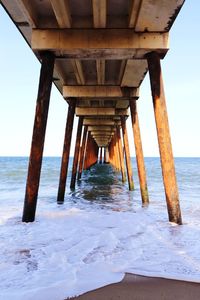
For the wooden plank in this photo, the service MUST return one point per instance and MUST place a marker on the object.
(88, 43)
(99, 13)
(97, 92)
(28, 9)
(134, 12)
(162, 15)
(100, 65)
(78, 70)
(134, 72)
(63, 17)
(99, 20)
(164, 139)
(62, 13)
(40, 122)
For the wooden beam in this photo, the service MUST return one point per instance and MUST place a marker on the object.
(106, 43)
(139, 153)
(99, 19)
(66, 152)
(29, 12)
(100, 65)
(62, 14)
(63, 17)
(134, 12)
(121, 155)
(101, 132)
(100, 122)
(164, 139)
(98, 92)
(127, 154)
(101, 128)
(99, 13)
(84, 139)
(40, 122)
(98, 111)
(78, 70)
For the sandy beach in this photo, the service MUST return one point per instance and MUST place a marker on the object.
(134, 287)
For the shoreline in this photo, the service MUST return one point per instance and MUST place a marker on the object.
(136, 287)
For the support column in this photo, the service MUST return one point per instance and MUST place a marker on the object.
(66, 151)
(39, 130)
(83, 146)
(164, 140)
(127, 154)
(76, 152)
(139, 152)
(104, 156)
(121, 156)
(100, 158)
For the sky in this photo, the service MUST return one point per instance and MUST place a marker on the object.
(19, 75)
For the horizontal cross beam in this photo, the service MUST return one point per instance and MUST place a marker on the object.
(96, 111)
(101, 128)
(100, 122)
(96, 91)
(99, 43)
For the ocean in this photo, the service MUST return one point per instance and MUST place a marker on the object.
(99, 233)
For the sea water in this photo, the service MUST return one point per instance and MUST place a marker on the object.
(99, 233)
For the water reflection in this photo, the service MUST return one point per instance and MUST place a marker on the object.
(102, 186)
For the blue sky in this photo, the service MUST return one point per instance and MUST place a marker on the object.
(19, 81)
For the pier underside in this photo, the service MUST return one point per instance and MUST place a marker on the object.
(97, 53)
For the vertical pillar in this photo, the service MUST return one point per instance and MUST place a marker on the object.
(66, 151)
(76, 152)
(104, 155)
(164, 140)
(127, 154)
(100, 158)
(83, 146)
(117, 162)
(39, 130)
(139, 152)
(121, 156)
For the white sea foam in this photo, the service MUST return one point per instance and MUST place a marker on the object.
(84, 244)
(66, 253)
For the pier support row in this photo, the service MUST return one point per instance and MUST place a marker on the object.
(164, 139)
(39, 129)
(91, 155)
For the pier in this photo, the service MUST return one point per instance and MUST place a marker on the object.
(97, 53)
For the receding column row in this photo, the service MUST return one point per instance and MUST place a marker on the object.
(89, 149)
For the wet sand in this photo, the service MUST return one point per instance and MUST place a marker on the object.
(134, 287)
